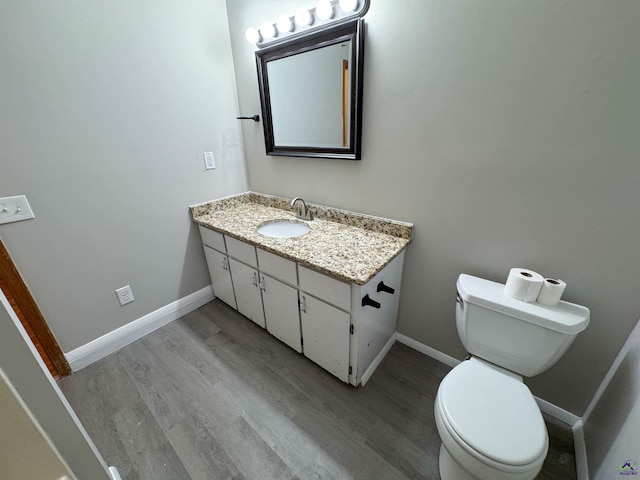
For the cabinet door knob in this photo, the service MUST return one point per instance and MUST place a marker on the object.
(367, 301)
(224, 264)
(303, 304)
(385, 288)
(262, 285)
(254, 281)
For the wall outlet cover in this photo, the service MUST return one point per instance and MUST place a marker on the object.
(125, 295)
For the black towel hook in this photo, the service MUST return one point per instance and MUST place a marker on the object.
(255, 118)
(368, 301)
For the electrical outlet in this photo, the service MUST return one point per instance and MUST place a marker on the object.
(125, 295)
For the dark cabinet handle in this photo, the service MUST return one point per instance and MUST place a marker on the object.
(366, 301)
(384, 288)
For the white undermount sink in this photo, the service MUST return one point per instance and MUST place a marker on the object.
(284, 228)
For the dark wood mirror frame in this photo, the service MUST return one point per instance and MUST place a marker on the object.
(353, 31)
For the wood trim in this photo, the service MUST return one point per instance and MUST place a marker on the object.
(30, 316)
(346, 97)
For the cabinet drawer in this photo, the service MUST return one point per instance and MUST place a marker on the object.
(241, 251)
(212, 239)
(277, 266)
(327, 288)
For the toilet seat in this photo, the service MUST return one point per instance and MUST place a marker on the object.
(492, 416)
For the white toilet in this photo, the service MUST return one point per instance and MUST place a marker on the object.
(489, 423)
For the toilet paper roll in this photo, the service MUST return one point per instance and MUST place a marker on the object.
(551, 292)
(523, 284)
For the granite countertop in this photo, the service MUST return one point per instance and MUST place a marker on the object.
(350, 246)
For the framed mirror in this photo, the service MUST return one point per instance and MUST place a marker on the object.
(311, 93)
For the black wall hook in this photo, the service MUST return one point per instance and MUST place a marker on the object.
(255, 118)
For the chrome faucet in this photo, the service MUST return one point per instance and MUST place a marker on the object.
(302, 211)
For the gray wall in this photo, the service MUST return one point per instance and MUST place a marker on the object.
(611, 421)
(105, 110)
(507, 132)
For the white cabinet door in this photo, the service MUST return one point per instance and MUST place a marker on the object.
(220, 276)
(246, 286)
(281, 311)
(325, 330)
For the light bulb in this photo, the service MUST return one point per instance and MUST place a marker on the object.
(284, 24)
(303, 17)
(252, 35)
(348, 5)
(324, 9)
(268, 30)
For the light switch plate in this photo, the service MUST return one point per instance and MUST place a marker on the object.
(209, 162)
(15, 209)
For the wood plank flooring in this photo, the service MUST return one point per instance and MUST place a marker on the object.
(213, 396)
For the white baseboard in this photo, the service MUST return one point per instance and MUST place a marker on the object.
(546, 407)
(557, 412)
(113, 341)
(428, 351)
(378, 360)
(115, 474)
(580, 448)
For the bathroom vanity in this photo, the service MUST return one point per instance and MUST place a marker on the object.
(331, 294)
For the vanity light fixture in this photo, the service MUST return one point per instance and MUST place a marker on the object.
(303, 17)
(348, 5)
(268, 30)
(325, 14)
(324, 9)
(284, 24)
(252, 35)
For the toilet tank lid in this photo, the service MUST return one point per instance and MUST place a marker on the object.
(565, 317)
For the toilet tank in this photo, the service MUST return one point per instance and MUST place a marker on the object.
(525, 338)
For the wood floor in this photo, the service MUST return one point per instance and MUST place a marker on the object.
(213, 396)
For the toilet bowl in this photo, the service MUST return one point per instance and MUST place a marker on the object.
(489, 424)
(488, 420)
